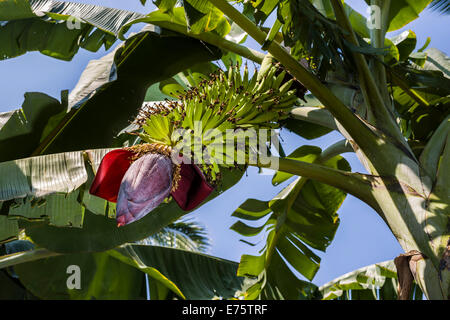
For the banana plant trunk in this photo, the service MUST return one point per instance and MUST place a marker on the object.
(417, 219)
(414, 204)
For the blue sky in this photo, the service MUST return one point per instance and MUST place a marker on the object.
(362, 237)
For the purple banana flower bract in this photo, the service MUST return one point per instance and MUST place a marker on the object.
(144, 186)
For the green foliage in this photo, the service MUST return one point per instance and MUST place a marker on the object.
(9, 228)
(102, 281)
(421, 118)
(310, 35)
(21, 130)
(259, 11)
(64, 28)
(203, 16)
(441, 5)
(119, 274)
(405, 43)
(375, 282)
(209, 277)
(305, 129)
(102, 277)
(164, 5)
(402, 12)
(304, 153)
(300, 217)
(12, 289)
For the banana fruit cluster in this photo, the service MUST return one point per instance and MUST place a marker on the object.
(225, 101)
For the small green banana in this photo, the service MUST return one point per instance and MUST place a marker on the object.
(268, 116)
(286, 86)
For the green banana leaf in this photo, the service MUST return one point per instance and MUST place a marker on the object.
(101, 277)
(304, 153)
(208, 277)
(119, 274)
(58, 28)
(357, 20)
(302, 216)
(402, 12)
(305, 129)
(441, 5)
(438, 61)
(9, 229)
(164, 5)
(259, 11)
(421, 118)
(406, 43)
(44, 175)
(203, 16)
(108, 19)
(12, 289)
(400, 50)
(21, 130)
(200, 16)
(374, 282)
(311, 35)
(184, 235)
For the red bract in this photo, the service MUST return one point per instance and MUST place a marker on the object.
(192, 188)
(145, 185)
(109, 175)
(141, 186)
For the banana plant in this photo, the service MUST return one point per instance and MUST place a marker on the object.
(324, 68)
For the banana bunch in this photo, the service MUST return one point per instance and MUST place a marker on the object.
(225, 101)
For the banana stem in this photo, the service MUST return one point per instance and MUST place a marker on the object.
(378, 35)
(208, 37)
(356, 184)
